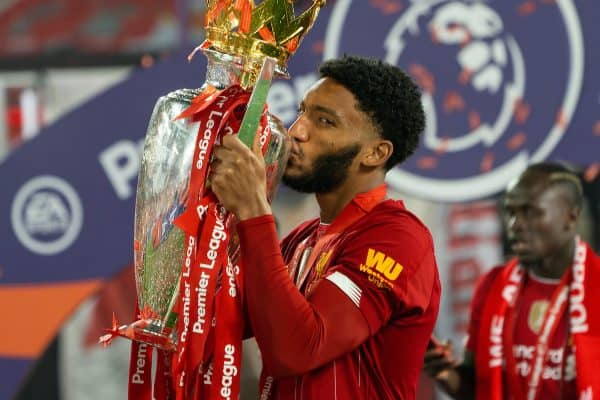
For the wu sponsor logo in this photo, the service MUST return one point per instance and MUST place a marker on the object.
(46, 215)
(381, 269)
(384, 264)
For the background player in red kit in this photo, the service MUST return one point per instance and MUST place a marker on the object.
(344, 309)
(539, 305)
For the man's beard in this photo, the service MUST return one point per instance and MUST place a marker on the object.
(328, 172)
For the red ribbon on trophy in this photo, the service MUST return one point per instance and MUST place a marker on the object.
(188, 282)
(206, 361)
(205, 309)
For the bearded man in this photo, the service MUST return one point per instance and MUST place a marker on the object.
(344, 307)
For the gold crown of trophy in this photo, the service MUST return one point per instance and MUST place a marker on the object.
(246, 45)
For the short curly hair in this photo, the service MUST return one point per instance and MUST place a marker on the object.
(387, 95)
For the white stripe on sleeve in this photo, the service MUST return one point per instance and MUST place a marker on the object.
(347, 286)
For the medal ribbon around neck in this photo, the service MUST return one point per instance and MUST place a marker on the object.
(505, 316)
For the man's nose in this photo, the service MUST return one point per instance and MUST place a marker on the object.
(515, 222)
(299, 129)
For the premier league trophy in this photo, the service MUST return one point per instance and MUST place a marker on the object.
(186, 257)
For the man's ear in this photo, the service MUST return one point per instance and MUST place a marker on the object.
(378, 152)
(574, 213)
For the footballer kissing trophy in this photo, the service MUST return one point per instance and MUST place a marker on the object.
(188, 279)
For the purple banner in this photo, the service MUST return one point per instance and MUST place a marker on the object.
(505, 83)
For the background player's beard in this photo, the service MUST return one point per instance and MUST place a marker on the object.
(328, 172)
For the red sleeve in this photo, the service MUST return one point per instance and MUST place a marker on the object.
(477, 304)
(295, 335)
(290, 237)
(384, 269)
(388, 269)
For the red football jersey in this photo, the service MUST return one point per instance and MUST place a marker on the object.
(558, 375)
(382, 266)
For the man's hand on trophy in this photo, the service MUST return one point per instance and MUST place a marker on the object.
(238, 179)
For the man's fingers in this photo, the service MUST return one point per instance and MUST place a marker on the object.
(219, 153)
(438, 364)
(233, 142)
(434, 353)
(224, 157)
(435, 367)
(237, 147)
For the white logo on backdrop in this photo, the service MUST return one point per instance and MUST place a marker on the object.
(491, 53)
(47, 215)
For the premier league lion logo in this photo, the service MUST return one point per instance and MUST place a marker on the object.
(500, 81)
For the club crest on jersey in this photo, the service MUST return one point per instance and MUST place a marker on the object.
(322, 263)
(496, 97)
(537, 311)
(381, 269)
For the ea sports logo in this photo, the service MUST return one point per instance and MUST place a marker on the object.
(497, 93)
(46, 215)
